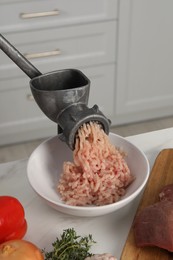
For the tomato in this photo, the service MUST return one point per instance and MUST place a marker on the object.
(13, 224)
(20, 250)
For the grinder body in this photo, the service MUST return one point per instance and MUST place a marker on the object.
(63, 97)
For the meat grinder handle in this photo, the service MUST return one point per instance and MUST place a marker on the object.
(24, 64)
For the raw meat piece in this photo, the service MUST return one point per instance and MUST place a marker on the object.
(154, 224)
(166, 193)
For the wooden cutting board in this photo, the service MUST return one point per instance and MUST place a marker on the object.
(161, 175)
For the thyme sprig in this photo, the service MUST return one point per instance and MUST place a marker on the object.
(70, 246)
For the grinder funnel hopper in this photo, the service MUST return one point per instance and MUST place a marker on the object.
(55, 91)
(62, 95)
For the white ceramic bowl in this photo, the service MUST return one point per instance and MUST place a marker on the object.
(45, 165)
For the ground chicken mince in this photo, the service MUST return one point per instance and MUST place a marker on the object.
(99, 174)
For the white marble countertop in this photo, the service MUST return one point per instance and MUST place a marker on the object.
(45, 223)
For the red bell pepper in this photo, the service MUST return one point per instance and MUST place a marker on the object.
(13, 224)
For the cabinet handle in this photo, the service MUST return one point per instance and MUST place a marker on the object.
(42, 54)
(29, 97)
(39, 14)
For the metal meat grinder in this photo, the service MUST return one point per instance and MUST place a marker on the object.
(62, 95)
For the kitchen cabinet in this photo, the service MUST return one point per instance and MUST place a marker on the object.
(123, 46)
(144, 87)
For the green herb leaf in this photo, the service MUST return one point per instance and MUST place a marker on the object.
(70, 247)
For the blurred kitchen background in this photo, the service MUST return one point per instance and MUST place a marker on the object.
(125, 47)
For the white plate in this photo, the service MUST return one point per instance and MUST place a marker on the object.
(45, 166)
